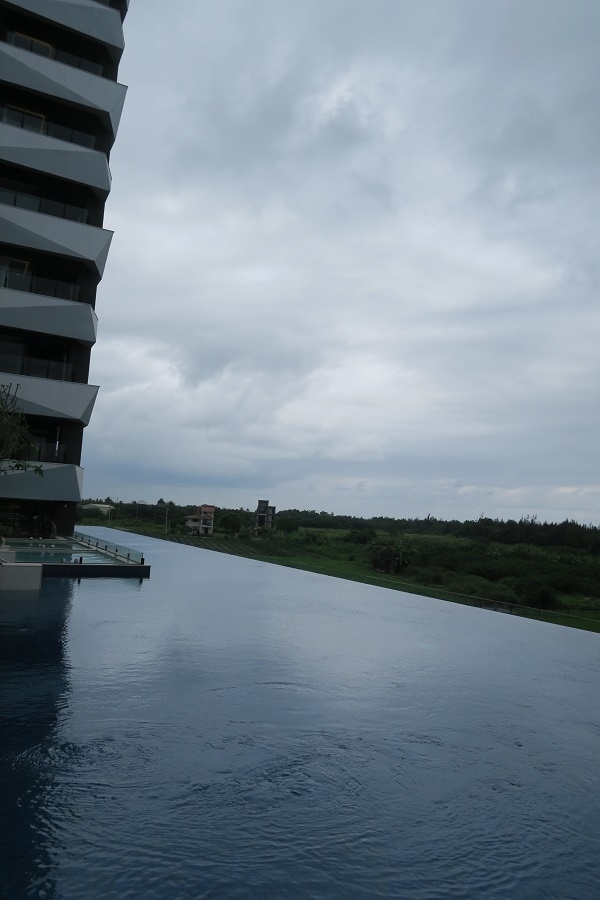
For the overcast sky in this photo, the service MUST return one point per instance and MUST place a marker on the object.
(355, 264)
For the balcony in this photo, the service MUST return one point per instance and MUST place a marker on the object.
(58, 159)
(37, 284)
(30, 121)
(41, 48)
(65, 400)
(84, 19)
(36, 367)
(40, 237)
(28, 200)
(61, 482)
(98, 100)
(49, 452)
(48, 315)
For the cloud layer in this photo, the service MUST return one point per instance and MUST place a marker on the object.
(355, 259)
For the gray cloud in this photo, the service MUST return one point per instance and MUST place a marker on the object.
(355, 261)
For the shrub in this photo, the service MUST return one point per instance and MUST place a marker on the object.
(432, 575)
(532, 592)
(388, 555)
(362, 536)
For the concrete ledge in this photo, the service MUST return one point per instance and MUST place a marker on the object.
(92, 570)
(20, 576)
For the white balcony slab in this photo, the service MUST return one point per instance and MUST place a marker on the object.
(41, 153)
(48, 315)
(61, 82)
(84, 17)
(60, 482)
(49, 234)
(54, 399)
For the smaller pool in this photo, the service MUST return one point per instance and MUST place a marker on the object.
(65, 555)
(80, 556)
(60, 551)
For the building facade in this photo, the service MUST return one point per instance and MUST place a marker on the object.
(264, 516)
(60, 105)
(203, 521)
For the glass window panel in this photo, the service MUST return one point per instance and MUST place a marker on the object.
(27, 201)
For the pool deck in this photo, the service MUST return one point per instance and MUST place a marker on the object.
(95, 570)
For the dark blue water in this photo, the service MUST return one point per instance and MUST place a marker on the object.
(234, 729)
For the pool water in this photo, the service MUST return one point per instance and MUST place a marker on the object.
(67, 551)
(64, 555)
(234, 729)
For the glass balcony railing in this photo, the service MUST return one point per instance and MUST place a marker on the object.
(26, 200)
(49, 452)
(41, 48)
(37, 284)
(36, 367)
(29, 121)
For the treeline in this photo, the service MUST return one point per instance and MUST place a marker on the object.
(163, 512)
(527, 530)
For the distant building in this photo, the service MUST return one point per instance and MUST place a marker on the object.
(265, 515)
(203, 521)
(104, 508)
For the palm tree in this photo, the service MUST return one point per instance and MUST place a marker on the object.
(389, 555)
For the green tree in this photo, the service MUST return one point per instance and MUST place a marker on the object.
(389, 555)
(362, 535)
(16, 444)
(230, 523)
(287, 524)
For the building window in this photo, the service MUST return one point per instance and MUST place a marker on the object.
(24, 198)
(23, 118)
(14, 273)
(41, 48)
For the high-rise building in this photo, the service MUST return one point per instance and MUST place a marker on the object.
(60, 105)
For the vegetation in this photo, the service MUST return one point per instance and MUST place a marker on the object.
(552, 571)
(387, 554)
(231, 523)
(16, 445)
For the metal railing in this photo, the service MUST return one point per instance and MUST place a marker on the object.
(48, 51)
(121, 553)
(30, 121)
(36, 367)
(49, 452)
(38, 284)
(33, 202)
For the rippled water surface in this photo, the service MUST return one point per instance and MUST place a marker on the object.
(235, 729)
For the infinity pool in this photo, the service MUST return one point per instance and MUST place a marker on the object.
(233, 729)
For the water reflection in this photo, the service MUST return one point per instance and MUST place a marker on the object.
(34, 688)
(235, 729)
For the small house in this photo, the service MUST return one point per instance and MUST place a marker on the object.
(203, 521)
